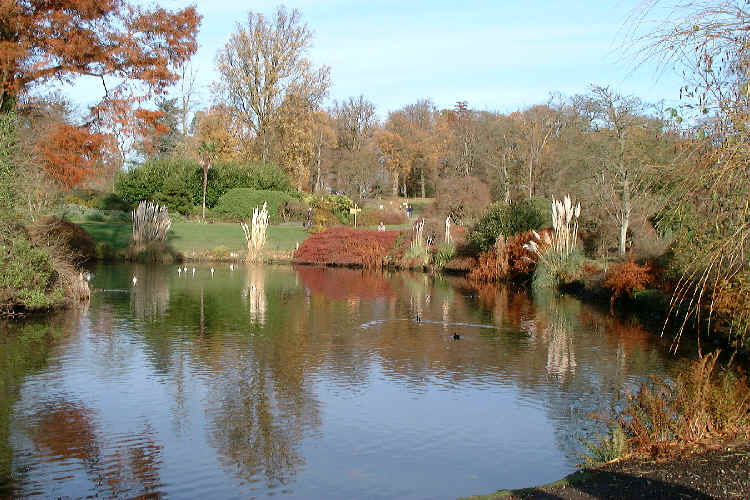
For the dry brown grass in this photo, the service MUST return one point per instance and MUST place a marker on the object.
(704, 403)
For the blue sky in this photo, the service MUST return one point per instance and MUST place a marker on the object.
(498, 55)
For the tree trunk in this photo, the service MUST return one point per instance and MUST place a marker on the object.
(421, 182)
(506, 178)
(626, 206)
(205, 183)
(395, 183)
(466, 158)
(317, 187)
(531, 177)
(625, 216)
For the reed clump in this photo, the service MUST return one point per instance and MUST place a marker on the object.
(256, 233)
(418, 254)
(151, 224)
(558, 259)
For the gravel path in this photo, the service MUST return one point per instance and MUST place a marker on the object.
(712, 472)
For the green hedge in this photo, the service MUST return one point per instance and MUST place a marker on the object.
(238, 203)
(178, 182)
(508, 219)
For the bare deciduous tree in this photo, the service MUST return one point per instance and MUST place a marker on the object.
(537, 126)
(355, 121)
(620, 172)
(264, 61)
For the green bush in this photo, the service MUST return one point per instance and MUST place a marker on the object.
(29, 278)
(175, 194)
(145, 181)
(508, 219)
(238, 203)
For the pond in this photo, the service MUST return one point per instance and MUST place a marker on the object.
(307, 383)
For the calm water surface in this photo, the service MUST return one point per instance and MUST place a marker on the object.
(306, 383)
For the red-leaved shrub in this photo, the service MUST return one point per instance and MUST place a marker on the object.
(347, 247)
(626, 278)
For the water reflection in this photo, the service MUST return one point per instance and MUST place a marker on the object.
(262, 380)
(65, 433)
(254, 293)
(149, 299)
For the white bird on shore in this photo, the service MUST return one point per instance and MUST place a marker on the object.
(231, 267)
(193, 272)
(135, 280)
(212, 272)
(179, 271)
(184, 268)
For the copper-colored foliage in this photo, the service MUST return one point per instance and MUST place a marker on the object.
(135, 50)
(627, 277)
(347, 247)
(70, 154)
(505, 259)
(44, 40)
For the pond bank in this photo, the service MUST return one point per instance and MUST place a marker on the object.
(718, 471)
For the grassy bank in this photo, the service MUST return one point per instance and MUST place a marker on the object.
(194, 239)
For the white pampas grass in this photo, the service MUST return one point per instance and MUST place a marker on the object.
(255, 233)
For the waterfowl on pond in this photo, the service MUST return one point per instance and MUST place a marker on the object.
(456, 336)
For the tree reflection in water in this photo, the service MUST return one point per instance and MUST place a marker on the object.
(149, 299)
(243, 365)
(120, 465)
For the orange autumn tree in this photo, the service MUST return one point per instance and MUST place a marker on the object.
(135, 52)
(71, 154)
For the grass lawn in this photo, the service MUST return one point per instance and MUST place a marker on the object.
(190, 236)
(116, 235)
